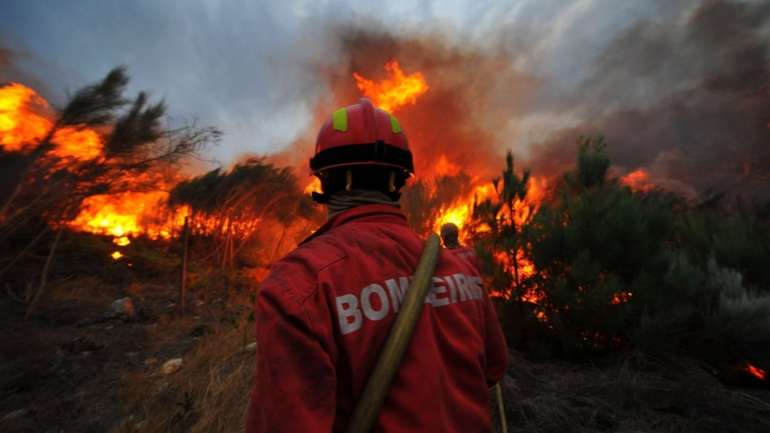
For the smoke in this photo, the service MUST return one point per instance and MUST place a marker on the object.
(679, 88)
(682, 90)
(687, 99)
(471, 90)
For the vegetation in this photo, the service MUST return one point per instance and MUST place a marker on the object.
(74, 159)
(618, 269)
(228, 207)
(663, 297)
(423, 199)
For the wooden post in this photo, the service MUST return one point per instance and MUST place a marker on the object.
(501, 408)
(44, 276)
(183, 276)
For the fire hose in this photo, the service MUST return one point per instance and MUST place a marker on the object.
(377, 386)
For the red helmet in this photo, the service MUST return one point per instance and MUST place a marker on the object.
(361, 134)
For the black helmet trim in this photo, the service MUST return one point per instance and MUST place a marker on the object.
(378, 152)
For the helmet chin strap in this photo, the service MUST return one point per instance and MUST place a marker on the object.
(348, 180)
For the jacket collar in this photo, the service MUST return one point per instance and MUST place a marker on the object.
(371, 212)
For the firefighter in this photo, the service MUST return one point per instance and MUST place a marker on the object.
(325, 310)
(450, 235)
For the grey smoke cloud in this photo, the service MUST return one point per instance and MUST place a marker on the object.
(687, 98)
(679, 87)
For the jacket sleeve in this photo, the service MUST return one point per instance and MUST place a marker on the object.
(295, 381)
(494, 342)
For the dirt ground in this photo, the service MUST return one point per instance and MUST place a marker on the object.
(72, 368)
(67, 367)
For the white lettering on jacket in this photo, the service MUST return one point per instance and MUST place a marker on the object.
(375, 303)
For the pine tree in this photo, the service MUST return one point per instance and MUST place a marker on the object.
(498, 226)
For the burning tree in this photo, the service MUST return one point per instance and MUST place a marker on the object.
(499, 223)
(618, 268)
(229, 207)
(425, 200)
(99, 144)
(596, 247)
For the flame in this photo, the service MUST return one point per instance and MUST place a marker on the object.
(22, 124)
(395, 91)
(460, 211)
(638, 180)
(129, 214)
(444, 167)
(77, 143)
(621, 298)
(122, 241)
(313, 186)
(116, 255)
(755, 371)
(25, 120)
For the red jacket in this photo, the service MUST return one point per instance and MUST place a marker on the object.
(325, 310)
(468, 254)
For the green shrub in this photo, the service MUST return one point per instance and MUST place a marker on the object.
(624, 269)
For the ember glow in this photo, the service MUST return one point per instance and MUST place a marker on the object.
(394, 92)
(638, 180)
(122, 241)
(755, 371)
(621, 298)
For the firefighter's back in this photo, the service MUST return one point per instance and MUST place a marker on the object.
(350, 283)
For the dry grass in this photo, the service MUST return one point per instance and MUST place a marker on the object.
(637, 395)
(209, 394)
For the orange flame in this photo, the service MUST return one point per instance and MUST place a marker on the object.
(78, 143)
(116, 255)
(755, 371)
(25, 121)
(395, 91)
(638, 180)
(444, 167)
(313, 186)
(22, 124)
(122, 241)
(129, 214)
(460, 213)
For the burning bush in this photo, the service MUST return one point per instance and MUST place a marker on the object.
(63, 168)
(618, 268)
(229, 207)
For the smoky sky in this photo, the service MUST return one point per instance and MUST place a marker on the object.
(677, 87)
(686, 98)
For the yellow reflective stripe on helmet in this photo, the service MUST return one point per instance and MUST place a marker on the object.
(340, 120)
(394, 125)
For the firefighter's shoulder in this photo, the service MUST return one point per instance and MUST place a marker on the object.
(296, 274)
